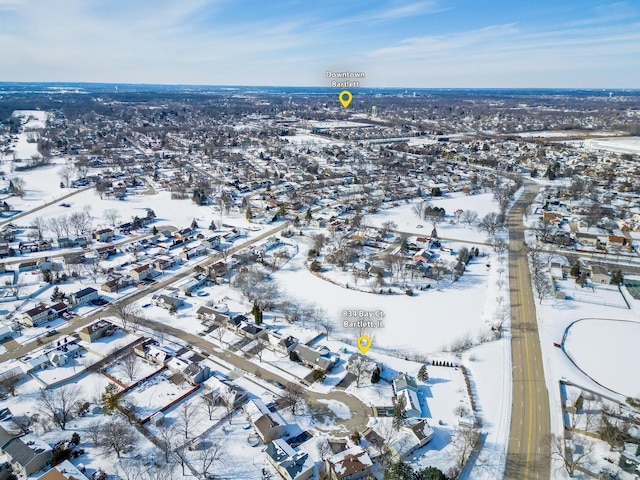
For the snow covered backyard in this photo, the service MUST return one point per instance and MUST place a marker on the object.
(587, 337)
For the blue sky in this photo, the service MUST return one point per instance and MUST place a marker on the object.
(397, 43)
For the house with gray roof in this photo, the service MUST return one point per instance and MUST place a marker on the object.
(28, 454)
(322, 360)
(291, 464)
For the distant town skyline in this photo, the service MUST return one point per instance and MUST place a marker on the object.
(412, 44)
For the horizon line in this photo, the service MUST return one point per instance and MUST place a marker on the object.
(205, 85)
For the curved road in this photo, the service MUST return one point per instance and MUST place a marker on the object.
(528, 454)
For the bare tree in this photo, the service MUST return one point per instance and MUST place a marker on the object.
(40, 225)
(112, 216)
(464, 440)
(66, 174)
(359, 367)
(56, 226)
(207, 404)
(569, 453)
(210, 455)
(131, 470)
(541, 283)
(22, 424)
(490, 223)
(294, 398)
(219, 333)
(18, 186)
(167, 439)
(125, 312)
(327, 325)
(469, 216)
(388, 227)
(9, 381)
(188, 416)
(116, 436)
(160, 472)
(59, 403)
(130, 366)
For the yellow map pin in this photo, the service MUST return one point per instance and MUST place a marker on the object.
(345, 98)
(364, 343)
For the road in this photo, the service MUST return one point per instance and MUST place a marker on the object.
(528, 454)
(360, 412)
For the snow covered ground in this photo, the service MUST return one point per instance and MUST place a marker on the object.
(407, 220)
(586, 337)
(618, 145)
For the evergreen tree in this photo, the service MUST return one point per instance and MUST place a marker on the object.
(375, 375)
(617, 278)
(194, 224)
(422, 374)
(154, 230)
(110, 399)
(399, 412)
(212, 226)
(308, 216)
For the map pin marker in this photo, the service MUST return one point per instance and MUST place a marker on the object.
(345, 98)
(364, 343)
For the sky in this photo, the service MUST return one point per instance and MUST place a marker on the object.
(396, 43)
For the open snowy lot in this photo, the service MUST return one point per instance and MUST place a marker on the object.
(618, 145)
(586, 337)
(407, 220)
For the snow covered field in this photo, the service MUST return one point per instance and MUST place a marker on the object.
(618, 145)
(587, 337)
(407, 220)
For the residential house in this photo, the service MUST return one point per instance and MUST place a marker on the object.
(141, 272)
(185, 234)
(224, 392)
(36, 316)
(28, 266)
(217, 269)
(106, 251)
(97, 330)
(322, 360)
(599, 274)
(412, 436)
(65, 242)
(167, 301)
(193, 252)
(290, 464)
(552, 217)
(28, 454)
(405, 387)
(351, 464)
(194, 372)
(163, 262)
(270, 426)
(116, 284)
(84, 296)
(211, 242)
(152, 351)
(282, 345)
(64, 471)
(252, 331)
(194, 283)
(37, 246)
(104, 235)
(210, 315)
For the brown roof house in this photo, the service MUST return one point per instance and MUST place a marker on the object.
(352, 464)
(97, 330)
